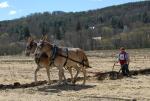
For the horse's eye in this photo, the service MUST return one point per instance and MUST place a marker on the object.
(31, 45)
(28, 47)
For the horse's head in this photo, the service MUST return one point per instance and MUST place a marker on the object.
(43, 46)
(30, 46)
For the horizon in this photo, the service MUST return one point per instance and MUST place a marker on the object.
(14, 9)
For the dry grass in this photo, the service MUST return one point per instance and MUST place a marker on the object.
(20, 69)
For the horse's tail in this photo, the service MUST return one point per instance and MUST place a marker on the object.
(86, 61)
(83, 58)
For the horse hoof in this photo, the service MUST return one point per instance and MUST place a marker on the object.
(74, 81)
(49, 83)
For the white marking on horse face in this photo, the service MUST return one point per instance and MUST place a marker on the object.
(39, 44)
(37, 50)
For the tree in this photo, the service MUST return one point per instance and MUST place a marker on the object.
(145, 17)
(23, 32)
(44, 28)
(78, 26)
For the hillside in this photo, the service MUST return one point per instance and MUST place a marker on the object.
(108, 28)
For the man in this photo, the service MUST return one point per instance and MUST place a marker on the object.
(123, 59)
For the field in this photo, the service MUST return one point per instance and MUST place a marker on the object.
(20, 69)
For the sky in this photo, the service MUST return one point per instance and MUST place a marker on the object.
(12, 9)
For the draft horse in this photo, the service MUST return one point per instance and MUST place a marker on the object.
(64, 57)
(41, 59)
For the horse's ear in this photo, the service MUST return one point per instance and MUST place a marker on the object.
(44, 37)
(29, 39)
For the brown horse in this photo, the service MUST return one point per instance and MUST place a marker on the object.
(65, 57)
(41, 59)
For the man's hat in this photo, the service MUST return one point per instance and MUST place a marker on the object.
(122, 48)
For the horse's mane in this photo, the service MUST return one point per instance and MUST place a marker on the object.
(52, 45)
(48, 43)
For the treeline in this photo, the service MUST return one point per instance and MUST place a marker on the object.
(108, 28)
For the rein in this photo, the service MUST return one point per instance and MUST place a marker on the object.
(75, 61)
(54, 53)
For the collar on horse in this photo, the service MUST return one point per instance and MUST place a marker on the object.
(66, 50)
(54, 54)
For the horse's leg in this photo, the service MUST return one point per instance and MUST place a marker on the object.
(78, 71)
(48, 74)
(84, 74)
(60, 73)
(63, 74)
(70, 71)
(35, 73)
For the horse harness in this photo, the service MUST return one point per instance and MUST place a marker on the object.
(66, 50)
(55, 54)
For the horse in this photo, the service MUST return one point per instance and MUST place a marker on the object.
(41, 59)
(65, 57)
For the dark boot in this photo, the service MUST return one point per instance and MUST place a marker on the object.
(123, 70)
(127, 70)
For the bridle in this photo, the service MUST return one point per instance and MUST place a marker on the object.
(38, 46)
(30, 45)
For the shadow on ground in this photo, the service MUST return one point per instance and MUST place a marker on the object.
(113, 75)
(64, 87)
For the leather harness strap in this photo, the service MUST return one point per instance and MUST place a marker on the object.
(54, 54)
(74, 60)
(66, 57)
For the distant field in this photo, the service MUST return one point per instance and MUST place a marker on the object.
(21, 69)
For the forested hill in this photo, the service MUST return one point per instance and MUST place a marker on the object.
(125, 25)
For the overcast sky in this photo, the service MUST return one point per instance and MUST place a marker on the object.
(11, 9)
